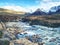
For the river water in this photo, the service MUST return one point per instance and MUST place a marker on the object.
(44, 32)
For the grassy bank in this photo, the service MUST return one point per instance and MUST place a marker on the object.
(45, 20)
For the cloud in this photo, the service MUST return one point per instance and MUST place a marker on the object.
(16, 8)
(47, 0)
(33, 8)
(12, 6)
(48, 5)
(44, 5)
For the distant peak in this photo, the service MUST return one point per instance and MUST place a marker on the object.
(38, 9)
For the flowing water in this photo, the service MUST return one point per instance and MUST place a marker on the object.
(45, 32)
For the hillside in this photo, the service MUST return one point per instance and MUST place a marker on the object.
(10, 15)
(6, 11)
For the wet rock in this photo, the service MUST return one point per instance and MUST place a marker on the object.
(40, 43)
(57, 37)
(46, 38)
(35, 38)
(52, 40)
(24, 41)
(58, 41)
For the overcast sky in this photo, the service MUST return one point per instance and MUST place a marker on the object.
(28, 5)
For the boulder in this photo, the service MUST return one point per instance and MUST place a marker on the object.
(1, 26)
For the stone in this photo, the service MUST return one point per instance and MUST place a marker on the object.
(52, 40)
(23, 41)
(1, 27)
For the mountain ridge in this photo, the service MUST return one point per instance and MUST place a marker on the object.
(53, 10)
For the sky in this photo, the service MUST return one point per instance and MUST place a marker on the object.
(28, 5)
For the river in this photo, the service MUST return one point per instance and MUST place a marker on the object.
(44, 32)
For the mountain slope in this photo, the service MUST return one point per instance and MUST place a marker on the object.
(10, 15)
(38, 12)
(6, 11)
(54, 10)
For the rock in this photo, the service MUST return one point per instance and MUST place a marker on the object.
(46, 38)
(24, 41)
(4, 42)
(40, 43)
(19, 44)
(1, 27)
(58, 41)
(35, 38)
(11, 43)
(53, 40)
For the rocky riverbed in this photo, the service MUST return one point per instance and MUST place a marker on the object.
(35, 33)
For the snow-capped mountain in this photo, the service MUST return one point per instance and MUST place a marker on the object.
(54, 10)
(38, 12)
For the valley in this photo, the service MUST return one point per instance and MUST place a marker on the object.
(22, 28)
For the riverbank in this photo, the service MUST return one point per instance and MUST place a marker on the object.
(44, 20)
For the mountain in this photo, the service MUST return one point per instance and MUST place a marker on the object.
(54, 10)
(38, 12)
(58, 10)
